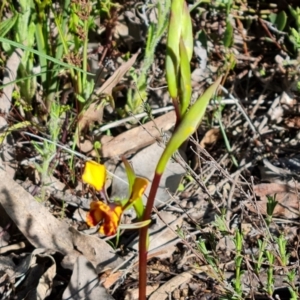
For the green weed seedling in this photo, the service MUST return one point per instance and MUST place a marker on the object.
(291, 277)
(271, 204)
(270, 272)
(209, 258)
(284, 256)
(220, 223)
(262, 244)
(238, 241)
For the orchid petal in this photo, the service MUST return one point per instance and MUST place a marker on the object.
(109, 214)
(139, 186)
(94, 174)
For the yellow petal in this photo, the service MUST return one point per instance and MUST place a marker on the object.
(94, 174)
(139, 186)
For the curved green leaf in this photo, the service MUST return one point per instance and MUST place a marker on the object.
(187, 126)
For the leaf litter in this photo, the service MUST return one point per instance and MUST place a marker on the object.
(44, 250)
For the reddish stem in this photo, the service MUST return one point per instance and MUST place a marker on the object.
(143, 249)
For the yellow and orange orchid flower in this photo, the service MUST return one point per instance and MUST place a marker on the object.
(108, 214)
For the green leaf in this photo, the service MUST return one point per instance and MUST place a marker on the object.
(7, 24)
(187, 32)
(187, 126)
(202, 37)
(172, 53)
(56, 61)
(185, 79)
(228, 35)
(279, 20)
(272, 18)
(136, 225)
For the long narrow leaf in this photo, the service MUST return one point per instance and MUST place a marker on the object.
(187, 31)
(187, 126)
(185, 79)
(56, 61)
(172, 53)
(7, 24)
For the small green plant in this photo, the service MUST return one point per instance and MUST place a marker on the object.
(238, 241)
(262, 244)
(211, 259)
(271, 204)
(291, 277)
(135, 97)
(270, 272)
(284, 256)
(220, 222)
(48, 150)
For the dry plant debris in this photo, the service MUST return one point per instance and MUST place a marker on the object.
(243, 160)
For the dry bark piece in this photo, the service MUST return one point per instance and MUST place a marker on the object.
(265, 189)
(10, 75)
(33, 219)
(138, 137)
(133, 294)
(111, 279)
(144, 164)
(161, 236)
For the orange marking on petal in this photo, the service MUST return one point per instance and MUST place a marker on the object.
(110, 215)
(95, 215)
(94, 174)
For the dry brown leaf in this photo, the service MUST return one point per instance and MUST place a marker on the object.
(139, 137)
(94, 112)
(265, 189)
(115, 78)
(45, 284)
(210, 137)
(111, 279)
